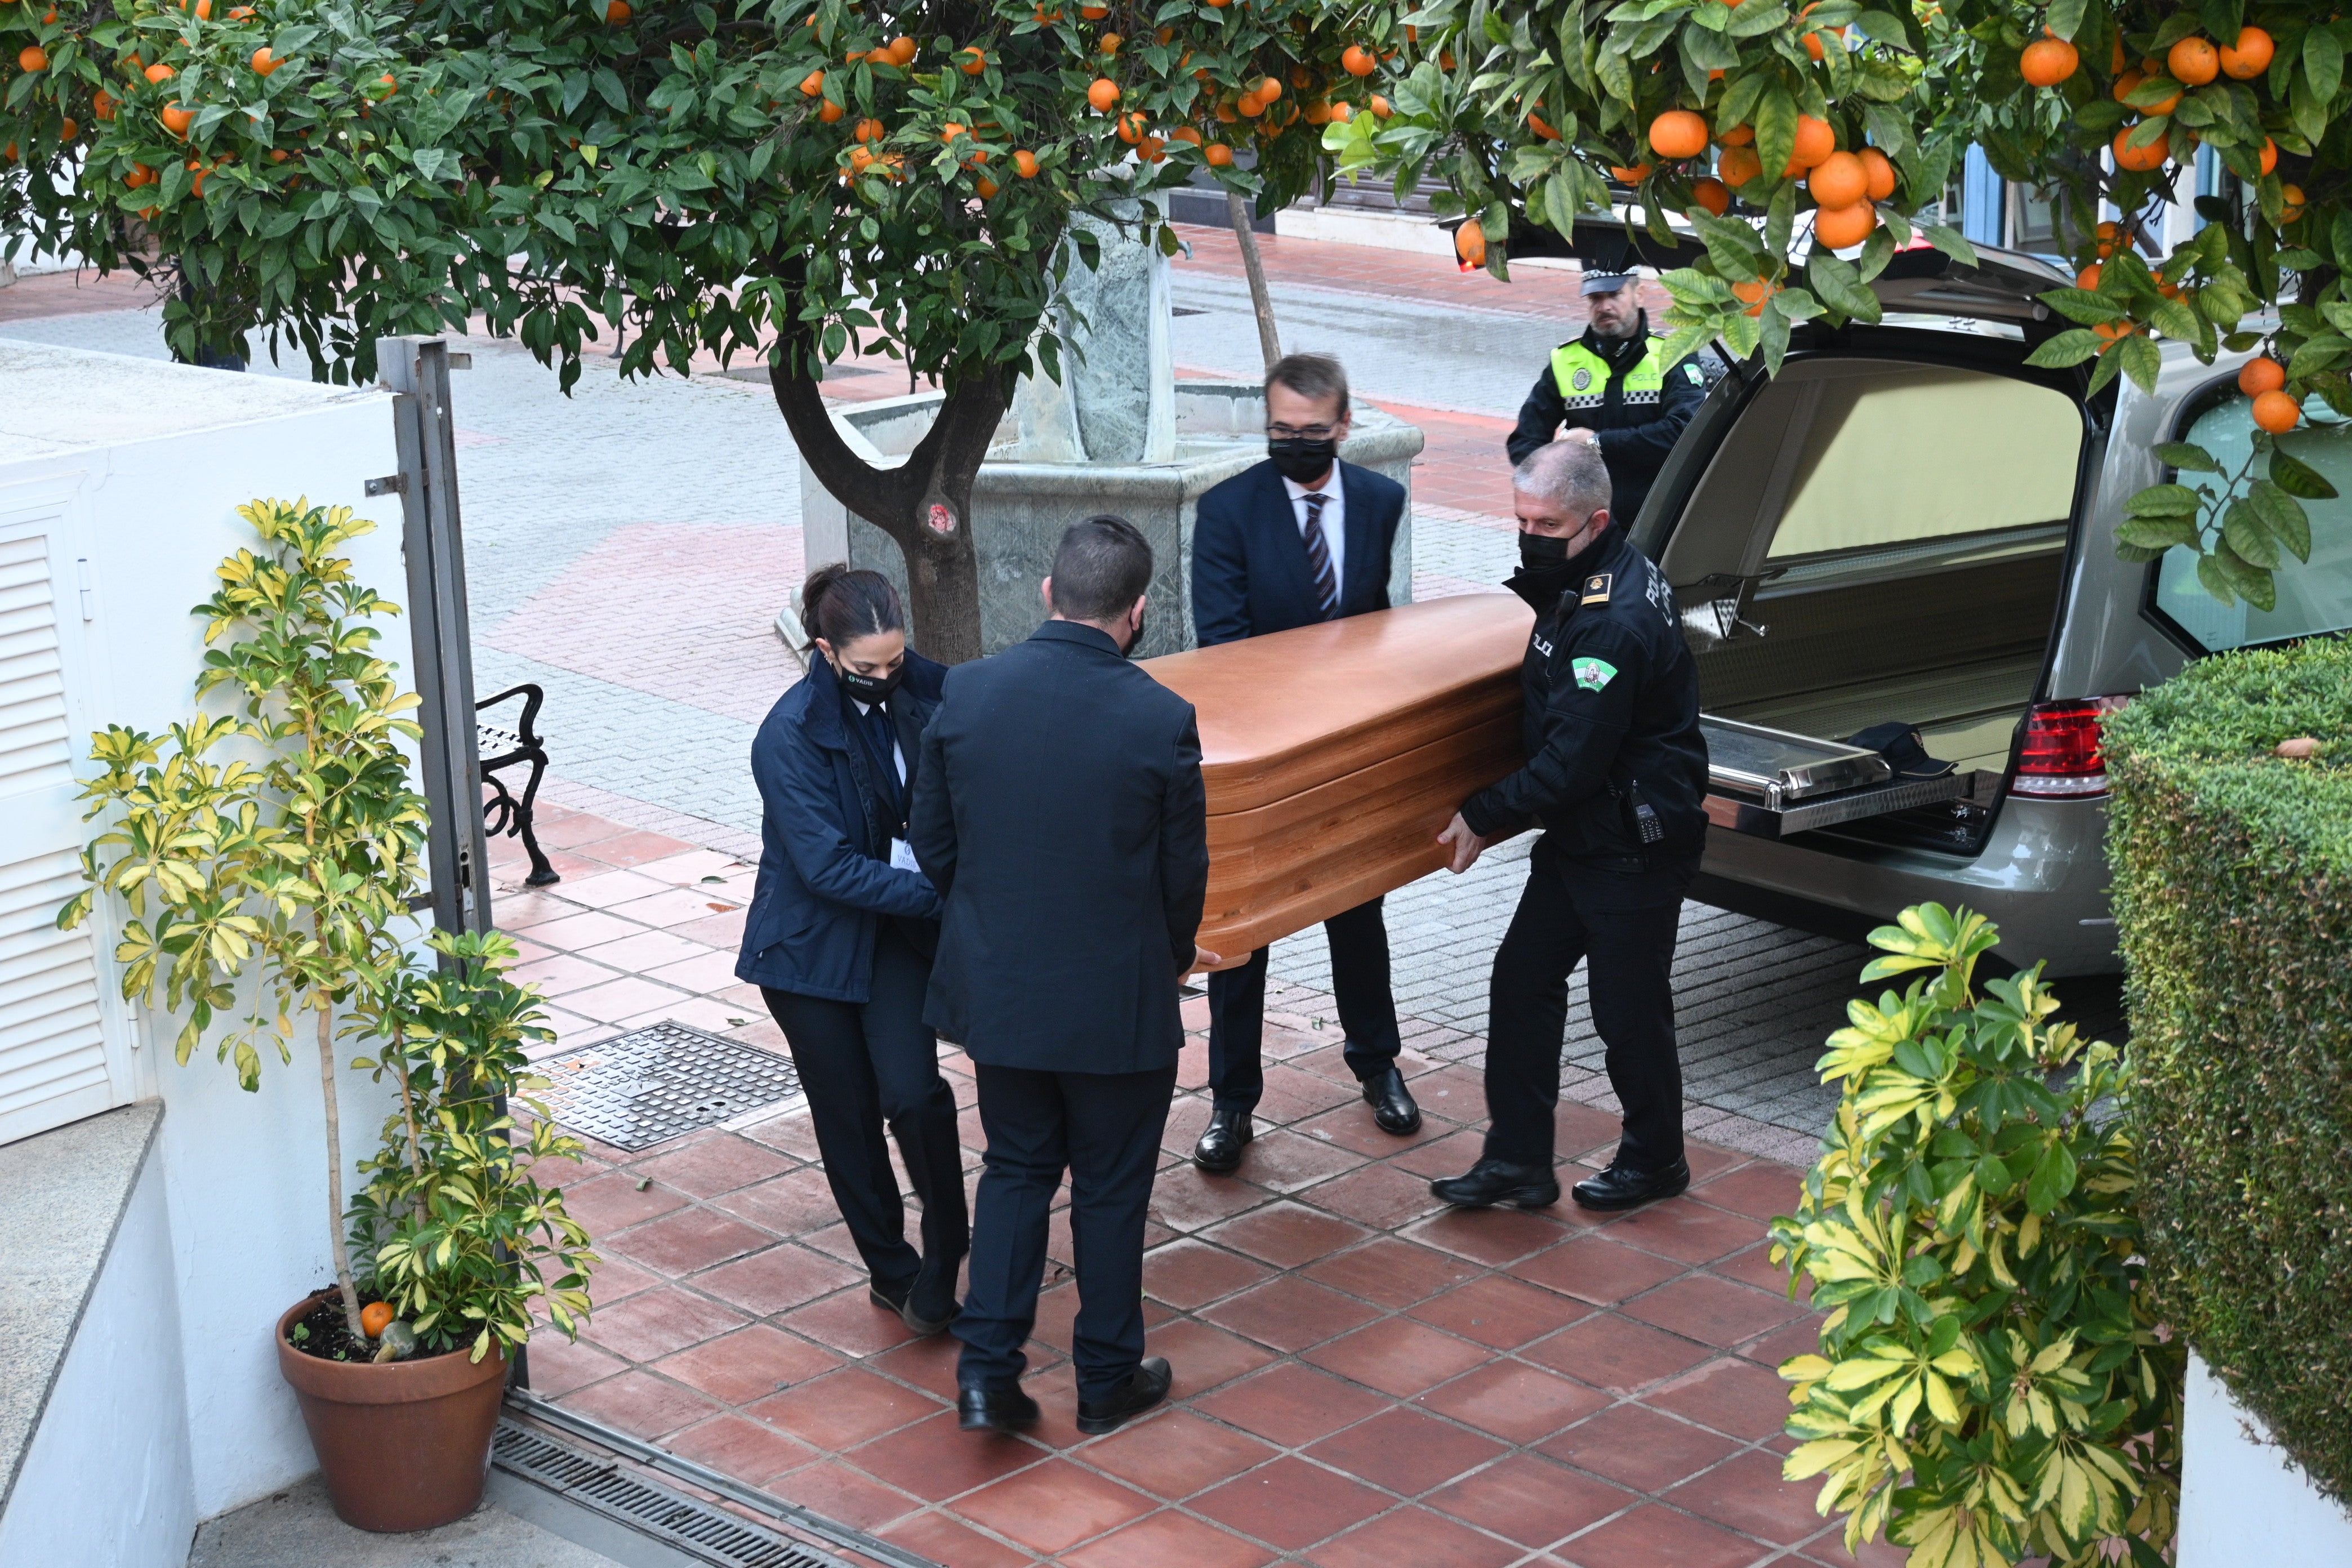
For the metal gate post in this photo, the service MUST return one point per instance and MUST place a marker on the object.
(417, 371)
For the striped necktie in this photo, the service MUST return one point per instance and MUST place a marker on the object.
(1318, 555)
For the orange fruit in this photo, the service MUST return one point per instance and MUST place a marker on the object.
(860, 159)
(1470, 244)
(1879, 170)
(1738, 136)
(264, 62)
(177, 117)
(1110, 42)
(1024, 164)
(831, 112)
(812, 84)
(1839, 181)
(1218, 154)
(1815, 141)
(159, 72)
(2110, 235)
(2138, 159)
(985, 186)
(102, 103)
(2278, 412)
(1382, 108)
(1541, 127)
(2194, 61)
(975, 61)
(1301, 77)
(1318, 113)
(1837, 228)
(377, 1316)
(141, 175)
(1269, 89)
(1754, 291)
(1185, 133)
(1252, 105)
(617, 12)
(2249, 56)
(2110, 333)
(2165, 105)
(2261, 375)
(1678, 133)
(1103, 94)
(2089, 276)
(1632, 175)
(1130, 128)
(1343, 112)
(902, 50)
(390, 86)
(33, 57)
(1358, 61)
(1738, 165)
(2049, 62)
(2125, 83)
(2291, 202)
(1711, 194)
(869, 131)
(2269, 155)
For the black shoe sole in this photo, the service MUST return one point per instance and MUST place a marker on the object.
(1217, 1167)
(896, 1308)
(1096, 1426)
(1617, 1205)
(1518, 1198)
(994, 1424)
(924, 1327)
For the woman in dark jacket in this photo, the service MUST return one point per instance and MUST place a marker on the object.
(841, 932)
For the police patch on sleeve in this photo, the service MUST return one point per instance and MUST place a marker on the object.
(1692, 370)
(1592, 674)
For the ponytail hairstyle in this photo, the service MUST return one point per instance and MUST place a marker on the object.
(842, 603)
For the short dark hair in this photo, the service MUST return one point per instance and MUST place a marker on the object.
(1100, 568)
(1318, 376)
(841, 604)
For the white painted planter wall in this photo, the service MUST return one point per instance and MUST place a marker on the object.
(2243, 1503)
(128, 473)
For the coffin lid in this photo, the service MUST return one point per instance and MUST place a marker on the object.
(1286, 712)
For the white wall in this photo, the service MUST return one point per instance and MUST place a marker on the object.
(106, 1477)
(244, 1183)
(2243, 1503)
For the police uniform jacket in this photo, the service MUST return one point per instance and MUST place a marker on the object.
(1611, 714)
(1625, 391)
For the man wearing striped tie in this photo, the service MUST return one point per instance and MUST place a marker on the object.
(1300, 538)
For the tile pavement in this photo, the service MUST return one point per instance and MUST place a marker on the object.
(1362, 1377)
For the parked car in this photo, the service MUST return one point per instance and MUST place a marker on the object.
(1909, 524)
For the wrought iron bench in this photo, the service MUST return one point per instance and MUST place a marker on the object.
(504, 812)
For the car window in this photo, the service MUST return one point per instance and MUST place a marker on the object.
(1925, 452)
(2314, 596)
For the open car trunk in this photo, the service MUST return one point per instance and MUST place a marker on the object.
(1876, 536)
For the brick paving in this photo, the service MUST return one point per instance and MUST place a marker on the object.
(1361, 1376)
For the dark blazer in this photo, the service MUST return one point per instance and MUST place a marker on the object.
(825, 879)
(1249, 563)
(1060, 812)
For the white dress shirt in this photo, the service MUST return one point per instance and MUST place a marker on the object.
(1334, 521)
(900, 856)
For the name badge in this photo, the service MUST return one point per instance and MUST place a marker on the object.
(903, 858)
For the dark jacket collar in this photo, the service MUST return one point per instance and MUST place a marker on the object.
(1543, 591)
(1621, 353)
(1078, 632)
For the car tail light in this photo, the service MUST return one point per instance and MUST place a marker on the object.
(2059, 757)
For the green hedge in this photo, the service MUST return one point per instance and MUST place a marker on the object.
(2233, 892)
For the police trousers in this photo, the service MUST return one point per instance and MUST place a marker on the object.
(1622, 915)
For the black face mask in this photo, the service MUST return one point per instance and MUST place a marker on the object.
(1300, 460)
(868, 689)
(1541, 553)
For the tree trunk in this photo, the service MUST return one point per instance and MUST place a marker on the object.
(1268, 342)
(924, 504)
(335, 1172)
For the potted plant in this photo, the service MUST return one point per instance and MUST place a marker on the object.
(266, 864)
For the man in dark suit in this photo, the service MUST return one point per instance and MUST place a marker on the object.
(1300, 538)
(1059, 812)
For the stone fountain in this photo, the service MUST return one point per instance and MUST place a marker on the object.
(1118, 434)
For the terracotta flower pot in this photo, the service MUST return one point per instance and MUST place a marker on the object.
(403, 1445)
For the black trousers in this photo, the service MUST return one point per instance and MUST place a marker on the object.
(1623, 916)
(1104, 1129)
(1359, 983)
(866, 1065)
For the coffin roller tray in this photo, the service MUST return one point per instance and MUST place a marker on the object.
(1773, 783)
(1335, 754)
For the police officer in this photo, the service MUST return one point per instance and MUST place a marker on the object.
(1613, 387)
(1616, 777)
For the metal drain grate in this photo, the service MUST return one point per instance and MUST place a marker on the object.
(685, 1524)
(638, 1089)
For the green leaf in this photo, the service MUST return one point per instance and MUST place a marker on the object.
(1839, 285)
(2068, 348)
(2085, 305)
(1776, 130)
(2242, 526)
(2283, 519)
(2159, 533)
(2143, 360)
(1952, 243)
(2187, 456)
(2297, 477)
(2064, 17)
(2323, 63)
(2165, 500)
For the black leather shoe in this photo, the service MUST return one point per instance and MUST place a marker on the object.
(1005, 1409)
(1219, 1152)
(1492, 1182)
(1147, 1388)
(1621, 1187)
(1392, 1103)
(889, 1298)
(930, 1304)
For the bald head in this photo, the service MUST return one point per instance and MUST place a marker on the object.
(1570, 475)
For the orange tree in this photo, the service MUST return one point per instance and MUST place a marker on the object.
(1805, 146)
(798, 179)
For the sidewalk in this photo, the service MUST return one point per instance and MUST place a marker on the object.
(1362, 1377)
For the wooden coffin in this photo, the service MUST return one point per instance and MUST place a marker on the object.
(1335, 754)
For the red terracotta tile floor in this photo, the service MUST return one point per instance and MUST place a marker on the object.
(1361, 1377)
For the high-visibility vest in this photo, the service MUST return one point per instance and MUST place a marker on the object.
(1583, 376)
